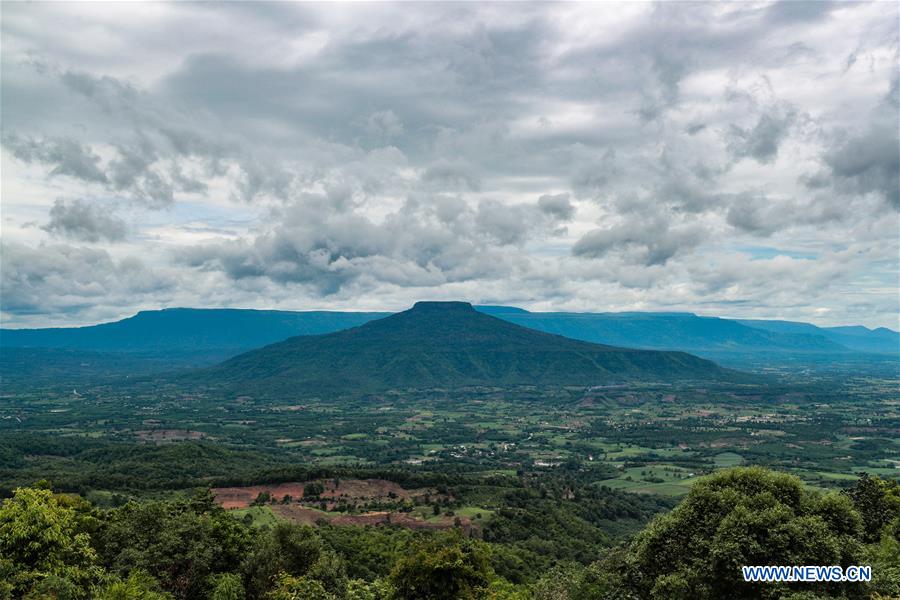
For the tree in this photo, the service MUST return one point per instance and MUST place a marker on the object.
(182, 543)
(286, 549)
(55, 587)
(330, 572)
(878, 502)
(884, 557)
(313, 489)
(500, 589)
(137, 586)
(41, 546)
(601, 580)
(303, 588)
(227, 586)
(743, 516)
(448, 567)
(359, 589)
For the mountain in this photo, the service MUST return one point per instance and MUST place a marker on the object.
(443, 345)
(187, 338)
(769, 346)
(186, 331)
(861, 339)
(669, 331)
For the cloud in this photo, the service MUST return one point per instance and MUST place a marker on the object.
(505, 224)
(65, 156)
(327, 251)
(63, 279)
(594, 175)
(762, 140)
(799, 11)
(557, 205)
(865, 159)
(869, 162)
(660, 92)
(592, 157)
(452, 175)
(649, 243)
(83, 221)
(385, 125)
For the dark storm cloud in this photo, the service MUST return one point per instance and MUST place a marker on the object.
(83, 221)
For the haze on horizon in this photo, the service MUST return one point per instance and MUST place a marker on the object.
(736, 159)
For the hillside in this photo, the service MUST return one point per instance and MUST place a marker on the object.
(442, 345)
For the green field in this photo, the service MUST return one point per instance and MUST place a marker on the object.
(259, 515)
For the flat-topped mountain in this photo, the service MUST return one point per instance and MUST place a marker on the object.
(443, 345)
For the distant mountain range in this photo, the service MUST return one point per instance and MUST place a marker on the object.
(230, 331)
(186, 337)
(443, 345)
(683, 331)
(854, 337)
(221, 332)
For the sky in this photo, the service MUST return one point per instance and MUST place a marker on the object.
(732, 159)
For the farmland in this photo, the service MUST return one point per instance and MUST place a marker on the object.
(646, 439)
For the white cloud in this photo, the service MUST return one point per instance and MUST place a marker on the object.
(579, 156)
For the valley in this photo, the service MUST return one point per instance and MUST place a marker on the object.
(549, 454)
(654, 439)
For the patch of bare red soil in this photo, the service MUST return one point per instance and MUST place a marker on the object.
(346, 489)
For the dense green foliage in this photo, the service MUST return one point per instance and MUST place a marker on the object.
(59, 546)
(182, 543)
(44, 543)
(745, 516)
(443, 569)
(742, 517)
(79, 464)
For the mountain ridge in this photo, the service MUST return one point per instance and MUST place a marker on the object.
(225, 332)
(439, 345)
(187, 329)
(852, 337)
